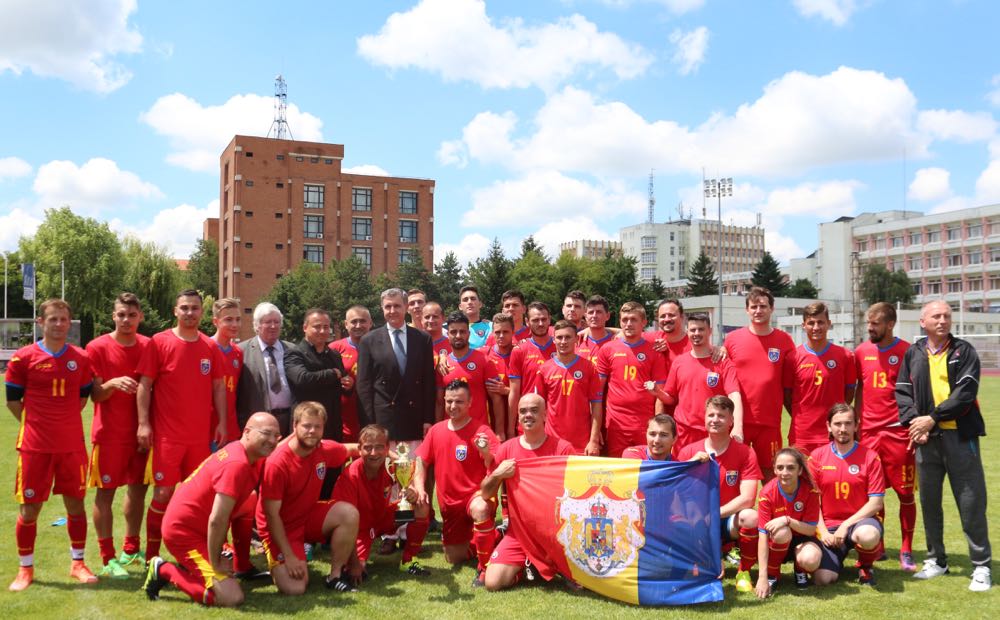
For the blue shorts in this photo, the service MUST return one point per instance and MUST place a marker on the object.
(833, 557)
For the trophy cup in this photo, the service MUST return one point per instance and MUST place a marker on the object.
(401, 469)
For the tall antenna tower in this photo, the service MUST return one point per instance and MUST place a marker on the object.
(652, 200)
(279, 127)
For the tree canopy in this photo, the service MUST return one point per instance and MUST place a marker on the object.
(767, 274)
(880, 284)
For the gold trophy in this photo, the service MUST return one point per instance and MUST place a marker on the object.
(401, 469)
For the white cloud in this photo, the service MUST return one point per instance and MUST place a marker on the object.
(177, 229)
(73, 41)
(837, 12)
(830, 199)
(800, 121)
(198, 133)
(988, 184)
(545, 196)
(13, 168)
(369, 169)
(97, 185)
(957, 125)
(468, 249)
(15, 224)
(552, 234)
(930, 184)
(691, 49)
(994, 95)
(781, 247)
(677, 7)
(952, 204)
(459, 41)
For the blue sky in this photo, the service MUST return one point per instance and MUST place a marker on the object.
(538, 117)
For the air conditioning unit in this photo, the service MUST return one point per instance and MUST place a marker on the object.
(404, 240)
(368, 238)
(319, 235)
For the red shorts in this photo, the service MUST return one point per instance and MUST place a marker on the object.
(456, 527)
(37, 471)
(192, 554)
(618, 436)
(765, 441)
(688, 435)
(509, 551)
(114, 465)
(368, 531)
(309, 532)
(173, 462)
(892, 445)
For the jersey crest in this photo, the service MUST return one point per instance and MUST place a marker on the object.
(712, 379)
(205, 366)
(236, 363)
(471, 366)
(854, 469)
(321, 470)
(71, 365)
(831, 364)
(578, 374)
(773, 354)
(798, 506)
(732, 477)
(893, 359)
(461, 452)
(641, 357)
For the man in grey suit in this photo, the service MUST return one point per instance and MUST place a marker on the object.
(396, 383)
(263, 385)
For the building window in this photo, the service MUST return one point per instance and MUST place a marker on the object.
(313, 227)
(917, 287)
(408, 254)
(279, 215)
(975, 230)
(298, 158)
(361, 199)
(671, 250)
(994, 228)
(248, 214)
(880, 243)
(247, 275)
(648, 243)
(672, 266)
(365, 254)
(995, 284)
(649, 257)
(954, 286)
(408, 202)
(976, 258)
(914, 262)
(863, 246)
(248, 244)
(897, 242)
(671, 236)
(328, 162)
(933, 262)
(954, 234)
(313, 196)
(896, 265)
(313, 254)
(314, 160)
(954, 260)
(995, 255)
(279, 185)
(933, 288)
(916, 238)
(975, 285)
(648, 273)
(407, 231)
(279, 246)
(248, 183)
(933, 236)
(279, 157)
(361, 228)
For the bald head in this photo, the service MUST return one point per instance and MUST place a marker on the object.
(260, 435)
(935, 318)
(531, 413)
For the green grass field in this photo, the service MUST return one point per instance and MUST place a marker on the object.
(447, 594)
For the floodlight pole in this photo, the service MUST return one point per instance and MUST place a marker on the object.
(717, 188)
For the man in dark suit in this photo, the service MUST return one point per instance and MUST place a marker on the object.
(396, 384)
(263, 385)
(314, 370)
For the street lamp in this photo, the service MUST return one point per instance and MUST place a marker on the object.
(717, 188)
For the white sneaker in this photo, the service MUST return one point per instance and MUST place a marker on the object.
(981, 580)
(931, 570)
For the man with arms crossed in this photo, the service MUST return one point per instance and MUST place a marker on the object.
(116, 459)
(47, 384)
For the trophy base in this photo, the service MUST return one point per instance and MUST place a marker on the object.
(404, 516)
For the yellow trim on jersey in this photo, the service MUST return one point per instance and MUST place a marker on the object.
(94, 480)
(20, 430)
(147, 478)
(938, 371)
(19, 481)
(206, 569)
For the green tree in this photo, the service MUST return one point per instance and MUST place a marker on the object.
(767, 274)
(491, 275)
(203, 267)
(154, 277)
(413, 274)
(880, 284)
(803, 289)
(352, 284)
(306, 286)
(530, 245)
(93, 259)
(17, 306)
(701, 277)
(537, 279)
(448, 280)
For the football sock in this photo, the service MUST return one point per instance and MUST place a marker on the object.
(188, 583)
(775, 556)
(416, 530)
(76, 527)
(154, 522)
(907, 520)
(107, 547)
(748, 547)
(484, 538)
(131, 544)
(25, 534)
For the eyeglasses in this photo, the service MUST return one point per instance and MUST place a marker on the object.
(266, 434)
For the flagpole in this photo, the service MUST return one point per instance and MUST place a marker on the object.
(62, 270)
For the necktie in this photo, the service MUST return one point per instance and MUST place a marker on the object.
(397, 346)
(273, 378)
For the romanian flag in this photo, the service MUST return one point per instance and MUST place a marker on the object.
(643, 532)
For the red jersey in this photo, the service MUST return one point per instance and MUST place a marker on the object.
(765, 366)
(474, 369)
(348, 398)
(51, 420)
(877, 370)
(626, 368)
(232, 365)
(673, 350)
(821, 377)
(296, 481)
(589, 348)
(693, 380)
(568, 392)
(512, 449)
(802, 505)
(372, 498)
(846, 481)
(117, 418)
(641, 453)
(182, 374)
(441, 347)
(525, 359)
(226, 471)
(520, 334)
(501, 361)
(458, 467)
(736, 464)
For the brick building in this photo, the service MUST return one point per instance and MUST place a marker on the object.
(285, 201)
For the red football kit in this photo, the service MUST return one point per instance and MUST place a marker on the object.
(459, 471)
(765, 366)
(589, 348)
(501, 361)
(569, 390)
(520, 334)
(626, 368)
(692, 381)
(736, 464)
(802, 505)
(185, 524)
(232, 365)
(441, 347)
(474, 369)
(821, 378)
(296, 481)
(372, 498)
(509, 550)
(846, 481)
(348, 398)
(525, 359)
(673, 350)
(115, 459)
(50, 441)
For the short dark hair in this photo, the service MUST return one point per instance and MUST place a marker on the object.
(665, 418)
(598, 300)
(58, 304)
(564, 324)
(539, 305)
(457, 317)
(512, 294)
(373, 430)
(577, 295)
(701, 317)
(500, 317)
(886, 310)
(816, 308)
(721, 401)
(465, 289)
(312, 311)
(676, 302)
(190, 292)
(756, 292)
(458, 384)
(129, 299)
